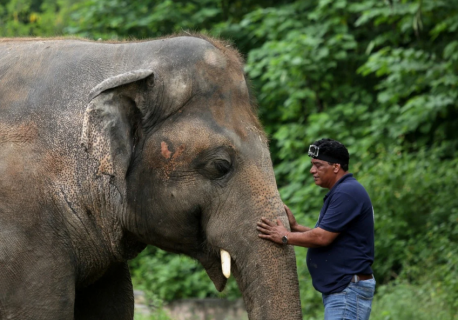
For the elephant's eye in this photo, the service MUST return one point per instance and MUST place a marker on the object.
(216, 163)
(215, 169)
(222, 166)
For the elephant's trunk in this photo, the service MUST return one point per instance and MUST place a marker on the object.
(265, 272)
(267, 278)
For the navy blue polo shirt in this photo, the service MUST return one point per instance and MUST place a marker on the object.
(347, 209)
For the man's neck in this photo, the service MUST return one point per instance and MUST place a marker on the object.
(338, 176)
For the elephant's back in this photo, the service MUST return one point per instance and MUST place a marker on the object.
(45, 84)
(48, 74)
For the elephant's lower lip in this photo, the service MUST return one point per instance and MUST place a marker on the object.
(212, 265)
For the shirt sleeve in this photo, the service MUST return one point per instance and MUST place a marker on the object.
(342, 210)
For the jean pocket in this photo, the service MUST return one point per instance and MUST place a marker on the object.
(363, 307)
(363, 291)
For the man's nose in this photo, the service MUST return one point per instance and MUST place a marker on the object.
(312, 169)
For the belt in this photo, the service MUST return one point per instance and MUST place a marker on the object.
(359, 277)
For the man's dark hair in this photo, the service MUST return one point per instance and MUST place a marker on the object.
(334, 149)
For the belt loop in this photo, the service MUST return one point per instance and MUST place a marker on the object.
(355, 278)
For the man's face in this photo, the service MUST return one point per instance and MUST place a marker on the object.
(323, 173)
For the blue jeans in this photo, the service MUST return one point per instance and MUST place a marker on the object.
(354, 303)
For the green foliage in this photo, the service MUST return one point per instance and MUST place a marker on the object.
(380, 76)
(33, 17)
(158, 314)
(340, 70)
(115, 19)
(402, 301)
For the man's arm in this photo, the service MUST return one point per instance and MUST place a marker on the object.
(313, 238)
(295, 227)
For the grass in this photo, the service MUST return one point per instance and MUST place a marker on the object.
(406, 302)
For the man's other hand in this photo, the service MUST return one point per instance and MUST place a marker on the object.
(292, 220)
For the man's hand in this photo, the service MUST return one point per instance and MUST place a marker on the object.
(272, 231)
(292, 221)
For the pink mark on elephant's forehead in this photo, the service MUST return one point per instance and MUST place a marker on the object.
(179, 151)
(171, 163)
(165, 150)
(167, 154)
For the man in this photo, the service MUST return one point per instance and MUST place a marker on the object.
(342, 243)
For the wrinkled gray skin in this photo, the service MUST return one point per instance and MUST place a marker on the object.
(105, 148)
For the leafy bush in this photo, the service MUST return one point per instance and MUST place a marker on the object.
(155, 315)
(402, 301)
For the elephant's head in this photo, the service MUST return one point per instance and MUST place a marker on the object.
(181, 142)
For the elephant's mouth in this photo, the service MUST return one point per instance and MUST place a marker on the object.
(217, 267)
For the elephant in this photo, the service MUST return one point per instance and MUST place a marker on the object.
(106, 147)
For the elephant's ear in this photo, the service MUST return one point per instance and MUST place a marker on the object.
(112, 120)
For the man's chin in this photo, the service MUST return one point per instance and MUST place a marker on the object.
(319, 183)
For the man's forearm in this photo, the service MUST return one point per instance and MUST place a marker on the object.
(308, 239)
(299, 228)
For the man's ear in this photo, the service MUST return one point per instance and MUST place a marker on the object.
(337, 167)
(112, 122)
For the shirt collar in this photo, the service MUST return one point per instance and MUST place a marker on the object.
(345, 177)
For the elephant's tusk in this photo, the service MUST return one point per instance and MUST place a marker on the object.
(226, 263)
